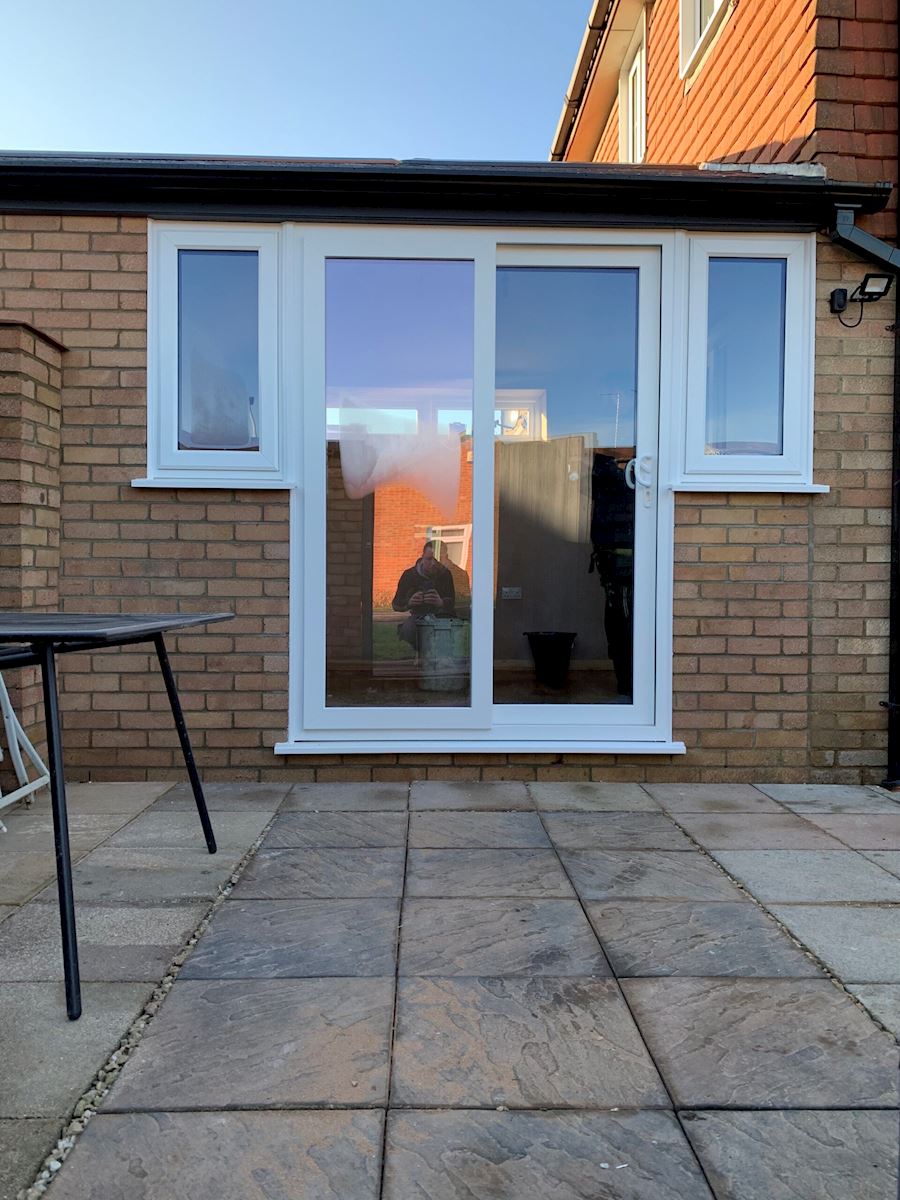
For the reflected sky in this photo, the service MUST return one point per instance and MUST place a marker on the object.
(572, 332)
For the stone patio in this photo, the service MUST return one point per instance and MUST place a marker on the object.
(438, 991)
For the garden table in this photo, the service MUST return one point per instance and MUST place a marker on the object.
(35, 639)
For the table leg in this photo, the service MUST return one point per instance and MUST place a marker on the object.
(186, 750)
(60, 832)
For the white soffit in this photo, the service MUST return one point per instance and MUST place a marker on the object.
(603, 86)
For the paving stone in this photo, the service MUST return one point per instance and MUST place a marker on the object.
(32, 830)
(888, 860)
(498, 937)
(651, 937)
(114, 943)
(859, 942)
(226, 797)
(23, 1146)
(525, 1043)
(294, 939)
(615, 831)
(480, 830)
(347, 797)
(25, 872)
(130, 798)
(646, 874)
(830, 798)
(539, 1156)
(182, 830)
(122, 875)
(268, 1042)
(336, 830)
(534, 873)
(6, 910)
(591, 797)
(789, 1155)
(508, 794)
(226, 1156)
(882, 1000)
(711, 797)
(798, 875)
(295, 874)
(773, 1043)
(869, 831)
(48, 1060)
(756, 831)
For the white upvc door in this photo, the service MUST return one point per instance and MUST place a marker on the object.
(427, 400)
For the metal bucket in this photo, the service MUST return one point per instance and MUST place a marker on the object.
(443, 654)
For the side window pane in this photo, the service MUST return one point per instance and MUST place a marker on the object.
(218, 350)
(745, 356)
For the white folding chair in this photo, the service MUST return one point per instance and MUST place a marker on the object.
(17, 742)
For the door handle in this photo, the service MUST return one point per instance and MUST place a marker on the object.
(644, 477)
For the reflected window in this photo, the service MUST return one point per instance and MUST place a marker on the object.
(745, 356)
(218, 350)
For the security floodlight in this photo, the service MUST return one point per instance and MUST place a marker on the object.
(873, 287)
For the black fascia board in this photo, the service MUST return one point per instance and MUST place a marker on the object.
(425, 192)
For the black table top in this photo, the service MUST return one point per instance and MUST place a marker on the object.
(103, 627)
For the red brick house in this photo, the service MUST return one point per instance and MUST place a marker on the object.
(612, 396)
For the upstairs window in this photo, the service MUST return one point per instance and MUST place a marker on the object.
(700, 19)
(633, 99)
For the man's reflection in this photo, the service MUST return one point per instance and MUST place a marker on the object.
(612, 557)
(424, 589)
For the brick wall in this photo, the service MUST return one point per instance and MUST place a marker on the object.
(781, 602)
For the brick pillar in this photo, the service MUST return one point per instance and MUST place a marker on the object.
(30, 379)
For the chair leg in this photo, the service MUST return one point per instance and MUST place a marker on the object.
(186, 750)
(61, 832)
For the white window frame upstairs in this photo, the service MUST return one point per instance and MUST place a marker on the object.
(694, 37)
(633, 97)
(197, 467)
(792, 469)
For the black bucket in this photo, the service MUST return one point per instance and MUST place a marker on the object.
(551, 652)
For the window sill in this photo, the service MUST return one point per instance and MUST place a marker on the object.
(479, 746)
(219, 480)
(748, 485)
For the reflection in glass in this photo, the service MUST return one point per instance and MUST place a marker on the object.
(218, 350)
(745, 356)
(399, 366)
(564, 447)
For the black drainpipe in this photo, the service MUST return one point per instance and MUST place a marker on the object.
(892, 779)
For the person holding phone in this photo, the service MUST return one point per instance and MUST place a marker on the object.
(424, 589)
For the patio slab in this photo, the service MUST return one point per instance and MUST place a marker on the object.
(32, 830)
(524, 1043)
(122, 875)
(787, 1155)
(648, 937)
(711, 797)
(226, 797)
(591, 797)
(25, 872)
(321, 874)
(476, 830)
(646, 874)
(830, 798)
(473, 796)
(347, 797)
(539, 1156)
(266, 1042)
(859, 942)
(226, 1156)
(23, 1145)
(888, 860)
(457, 873)
(7, 910)
(128, 798)
(49, 1060)
(296, 939)
(615, 831)
(182, 830)
(114, 943)
(756, 831)
(498, 937)
(811, 875)
(773, 1043)
(336, 830)
(882, 1000)
(869, 831)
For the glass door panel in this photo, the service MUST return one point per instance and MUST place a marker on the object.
(566, 469)
(399, 366)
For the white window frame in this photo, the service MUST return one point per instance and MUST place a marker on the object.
(694, 38)
(166, 462)
(633, 117)
(792, 469)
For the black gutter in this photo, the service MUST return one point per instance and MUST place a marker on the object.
(425, 192)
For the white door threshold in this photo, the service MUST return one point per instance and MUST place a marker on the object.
(480, 746)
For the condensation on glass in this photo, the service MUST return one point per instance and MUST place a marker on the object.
(745, 356)
(218, 350)
(399, 360)
(564, 455)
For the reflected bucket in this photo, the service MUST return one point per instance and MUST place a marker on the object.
(552, 652)
(443, 654)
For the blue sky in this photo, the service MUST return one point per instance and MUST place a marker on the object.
(482, 79)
